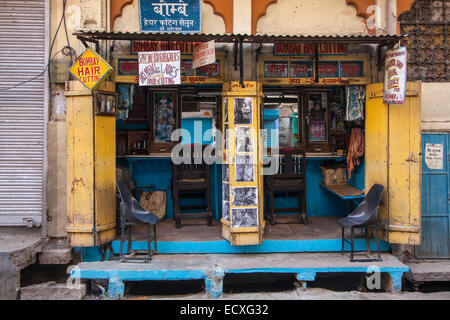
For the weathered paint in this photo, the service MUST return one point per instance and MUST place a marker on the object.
(213, 272)
(91, 161)
(230, 91)
(392, 159)
(435, 202)
(80, 165)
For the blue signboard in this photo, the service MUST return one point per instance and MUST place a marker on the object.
(182, 16)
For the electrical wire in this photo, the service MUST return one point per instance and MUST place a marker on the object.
(67, 51)
(40, 74)
(65, 29)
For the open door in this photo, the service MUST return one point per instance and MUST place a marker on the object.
(91, 164)
(393, 159)
(242, 186)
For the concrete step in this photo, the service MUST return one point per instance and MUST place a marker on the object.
(428, 271)
(212, 269)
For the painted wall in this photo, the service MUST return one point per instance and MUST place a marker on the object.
(79, 14)
(436, 106)
(129, 21)
(308, 17)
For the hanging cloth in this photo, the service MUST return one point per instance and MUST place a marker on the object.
(356, 100)
(355, 150)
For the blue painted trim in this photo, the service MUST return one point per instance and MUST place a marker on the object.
(268, 246)
(396, 277)
(166, 274)
(214, 278)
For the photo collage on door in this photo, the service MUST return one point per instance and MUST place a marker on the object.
(240, 191)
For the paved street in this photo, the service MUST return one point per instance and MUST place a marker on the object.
(308, 294)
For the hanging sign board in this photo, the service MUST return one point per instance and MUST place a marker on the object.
(204, 54)
(126, 70)
(395, 76)
(159, 68)
(301, 70)
(185, 47)
(170, 15)
(308, 49)
(91, 69)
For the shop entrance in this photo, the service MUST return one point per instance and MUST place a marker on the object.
(316, 121)
(315, 80)
(284, 115)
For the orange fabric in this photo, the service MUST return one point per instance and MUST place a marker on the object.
(355, 150)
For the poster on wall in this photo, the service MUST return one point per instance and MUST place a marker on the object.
(243, 110)
(434, 156)
(126, 93)
(395, 76)
(163, 120)
(317, 105)
(244, 218)
(245, 168)
(244, 142)
(159, 68)
(178, 16)
(244, 196)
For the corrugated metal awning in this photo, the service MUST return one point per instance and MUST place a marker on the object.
(94, 36)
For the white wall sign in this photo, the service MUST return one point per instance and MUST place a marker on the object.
(434, 156)
(204, 54)
(395, 76)
(159, 68)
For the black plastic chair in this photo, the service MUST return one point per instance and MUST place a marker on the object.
(366, 215)
(132, 214)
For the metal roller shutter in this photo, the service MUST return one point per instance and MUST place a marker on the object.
(22, 112)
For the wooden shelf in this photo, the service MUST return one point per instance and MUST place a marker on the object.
(344, 191)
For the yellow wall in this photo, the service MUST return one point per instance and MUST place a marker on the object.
(311, 17)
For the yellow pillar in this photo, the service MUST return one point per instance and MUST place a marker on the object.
(91, 167)
(244, 222)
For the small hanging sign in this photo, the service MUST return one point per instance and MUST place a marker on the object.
(395, 76)
(91, 69)
(204, 54)
(159, 68)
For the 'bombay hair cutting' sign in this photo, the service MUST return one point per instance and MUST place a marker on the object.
(159, 68)
(395, 76)
(91, 69)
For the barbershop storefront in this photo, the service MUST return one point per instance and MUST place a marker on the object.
(313, 95)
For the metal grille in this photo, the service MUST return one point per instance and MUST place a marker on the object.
(426, 24)
(22, 112)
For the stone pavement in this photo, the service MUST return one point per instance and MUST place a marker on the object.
(308, 294)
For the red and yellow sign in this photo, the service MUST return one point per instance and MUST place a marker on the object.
(91, 69)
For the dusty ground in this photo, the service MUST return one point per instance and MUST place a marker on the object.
(308, 294)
